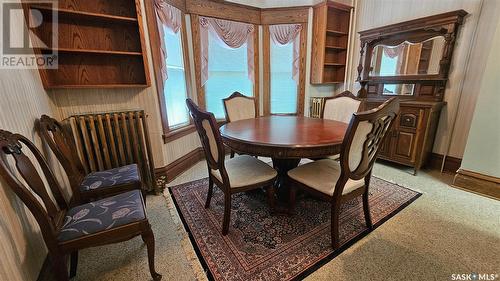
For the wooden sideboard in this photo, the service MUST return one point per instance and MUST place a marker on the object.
(411, 139)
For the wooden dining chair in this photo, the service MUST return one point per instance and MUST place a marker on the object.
(340, 108)
(239, 107)
(91, 186)
(66, 230)
(340, 182)
(235, 175)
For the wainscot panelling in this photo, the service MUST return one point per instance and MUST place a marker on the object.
(21, 245)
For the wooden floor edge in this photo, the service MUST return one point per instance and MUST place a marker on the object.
(477, 183)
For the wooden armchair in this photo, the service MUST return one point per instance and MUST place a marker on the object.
(238, 174)
(339, 183)
(66, 230)
(238, 107)
(94, 185)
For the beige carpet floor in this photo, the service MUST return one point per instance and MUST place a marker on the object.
(446, 231)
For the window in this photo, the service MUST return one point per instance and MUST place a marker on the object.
(283, 87)
(227, 73)
(174, 89)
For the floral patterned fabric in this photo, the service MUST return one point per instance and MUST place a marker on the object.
(102, 215)
(118, 176)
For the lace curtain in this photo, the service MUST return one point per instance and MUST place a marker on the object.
(231, 34)
(283, 34)
(170, 17)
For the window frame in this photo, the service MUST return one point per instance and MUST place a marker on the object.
(266, 39)
(200, 89)
(169, 134)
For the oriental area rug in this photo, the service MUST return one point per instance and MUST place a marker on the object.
(261, 246)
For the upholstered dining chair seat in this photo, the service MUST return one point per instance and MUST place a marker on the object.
(322, 175)
(246, 170)
(104, 214)
(125, 175)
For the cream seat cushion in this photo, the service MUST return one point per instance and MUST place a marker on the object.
(322, 175)
(246, 170)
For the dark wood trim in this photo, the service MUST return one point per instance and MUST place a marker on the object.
(477, 183)
(452, 164)
(229, 11)
(172, 135)
(266, 56)
(177, 167)
(284, 15)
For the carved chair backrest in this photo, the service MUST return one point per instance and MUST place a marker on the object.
(340, 107)
(363, 139)
(210, 138)
(238, 107)
(61, 142)
(29, 186)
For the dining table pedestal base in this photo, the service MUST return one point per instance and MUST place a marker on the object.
(282, 166)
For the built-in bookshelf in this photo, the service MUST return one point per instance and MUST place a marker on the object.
(330, 42)
(100, 44)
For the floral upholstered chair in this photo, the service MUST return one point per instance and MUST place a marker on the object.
(238, 174)
(94, 185)
(65, 229)
(239, 107)
(340, 182)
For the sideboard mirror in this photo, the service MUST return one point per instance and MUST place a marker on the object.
(407, 58)
(410, 59)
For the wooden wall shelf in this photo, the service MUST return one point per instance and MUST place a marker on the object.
(100, 44)
(331, 34)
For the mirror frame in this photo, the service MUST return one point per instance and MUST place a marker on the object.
(414, 31)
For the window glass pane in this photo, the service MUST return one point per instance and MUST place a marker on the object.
(283, 87)
(388, 65)
(227, 73)
(175, 87)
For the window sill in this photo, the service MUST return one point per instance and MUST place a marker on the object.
(178, 133)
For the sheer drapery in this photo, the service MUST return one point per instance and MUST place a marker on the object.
(283, 34)
(231, 34)
(393, 52)
(170, 17)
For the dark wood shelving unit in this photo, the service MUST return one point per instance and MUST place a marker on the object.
(100, 44)
(331, 35)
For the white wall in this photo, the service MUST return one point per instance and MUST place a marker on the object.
(482, 153)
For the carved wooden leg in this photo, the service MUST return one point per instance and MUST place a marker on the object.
(210, 191)
(60, 267)
(227, 213)
(73, 264)
(366, 209)
(149, 238)
(270, 198)
(292, 198)
(335, 225)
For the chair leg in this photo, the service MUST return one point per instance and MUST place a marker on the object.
(210, 191)
(335, 225)
(73, 264)
(270, 198)
(292, 198)
(60, 267)
(227, 213)
(366, 210)
(149, 239)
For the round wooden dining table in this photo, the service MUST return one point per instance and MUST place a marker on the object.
(285, 139)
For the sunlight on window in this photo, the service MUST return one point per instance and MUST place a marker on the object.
(283, 87)
(175, 87)
(227, 73)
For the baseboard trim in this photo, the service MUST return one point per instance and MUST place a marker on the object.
(477, 183)
(451, 164)
(177, 167)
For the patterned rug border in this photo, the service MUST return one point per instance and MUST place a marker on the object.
(318, 264)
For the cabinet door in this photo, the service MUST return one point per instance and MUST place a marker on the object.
(404, 146)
